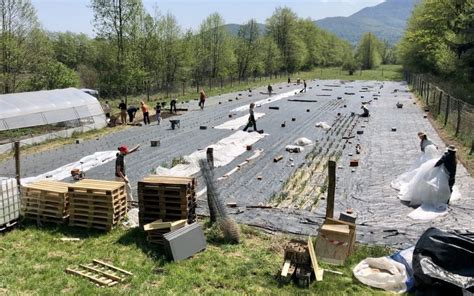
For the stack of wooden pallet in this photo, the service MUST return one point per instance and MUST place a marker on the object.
(45, 201)
(156, 230)
(166, 198)
(97, 204)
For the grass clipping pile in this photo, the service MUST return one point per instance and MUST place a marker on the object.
(217, 210)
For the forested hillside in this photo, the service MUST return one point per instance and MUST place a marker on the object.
(136, 52)
(439, 40)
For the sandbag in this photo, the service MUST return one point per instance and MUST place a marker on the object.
(443, 263)
(383, 273)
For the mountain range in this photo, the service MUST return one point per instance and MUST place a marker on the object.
(386, 20)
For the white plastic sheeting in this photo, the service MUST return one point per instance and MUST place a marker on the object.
(84, 164)
(225, 151)
(266, 101)
(323, 125)
(430, 152)
(238, 122)
(303, 142)
(38, 108)
(383, 273)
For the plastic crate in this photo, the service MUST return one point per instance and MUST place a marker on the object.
(9, 202)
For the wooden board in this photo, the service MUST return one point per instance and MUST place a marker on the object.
(161, 225)
(340, 229)
(286, 267)
(314, 261)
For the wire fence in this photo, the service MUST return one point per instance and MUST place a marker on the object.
(454, 114)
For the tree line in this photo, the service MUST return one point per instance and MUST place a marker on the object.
(439, 40)
(136, 52)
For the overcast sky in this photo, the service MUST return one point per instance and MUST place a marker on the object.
(76, 16)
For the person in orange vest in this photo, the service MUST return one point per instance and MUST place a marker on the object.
(146, 116)
(202, 99)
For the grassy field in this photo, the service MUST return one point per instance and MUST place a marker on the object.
(33, 261)
(51, 144)
(384, 72)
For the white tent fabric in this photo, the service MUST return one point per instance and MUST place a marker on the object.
(225, 151)
(84, 164)
(38, 108)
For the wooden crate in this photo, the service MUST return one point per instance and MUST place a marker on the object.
(157, 229)
(97, 204)
(335, 241)
(166, 198)
(45, 201)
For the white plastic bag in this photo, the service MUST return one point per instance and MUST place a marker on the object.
(323, 125)
(383, 273)
(303, 142)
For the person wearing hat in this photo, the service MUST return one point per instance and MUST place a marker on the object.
(120, 174)
(450, 163)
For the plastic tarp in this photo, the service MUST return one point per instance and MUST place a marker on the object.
(383, 273)
(266, 101)
(443, 263)
(225, 151)
(84, 164)
(20, 110)
(238, 122)
(323, 125)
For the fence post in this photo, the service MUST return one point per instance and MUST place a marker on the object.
(447, 110)
(184, 86)
(331, 189)
(427, 93)
(458, 123)
(17, 163)
(440, 100)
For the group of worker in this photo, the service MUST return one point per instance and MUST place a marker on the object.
(132, 110)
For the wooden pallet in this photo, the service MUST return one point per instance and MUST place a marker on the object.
(45, 201)
(100, 273)
(167, 198)
(98, 188)
(97, 204)
(157, 229)
(167, 180)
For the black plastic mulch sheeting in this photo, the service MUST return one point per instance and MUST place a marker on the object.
(443, 263)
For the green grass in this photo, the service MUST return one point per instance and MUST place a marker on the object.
(384, 72)
(33, 261)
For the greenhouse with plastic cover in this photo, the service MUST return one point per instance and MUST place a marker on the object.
(34, 117)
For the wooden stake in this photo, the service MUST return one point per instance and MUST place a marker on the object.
(331, 189)
(17, 163)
